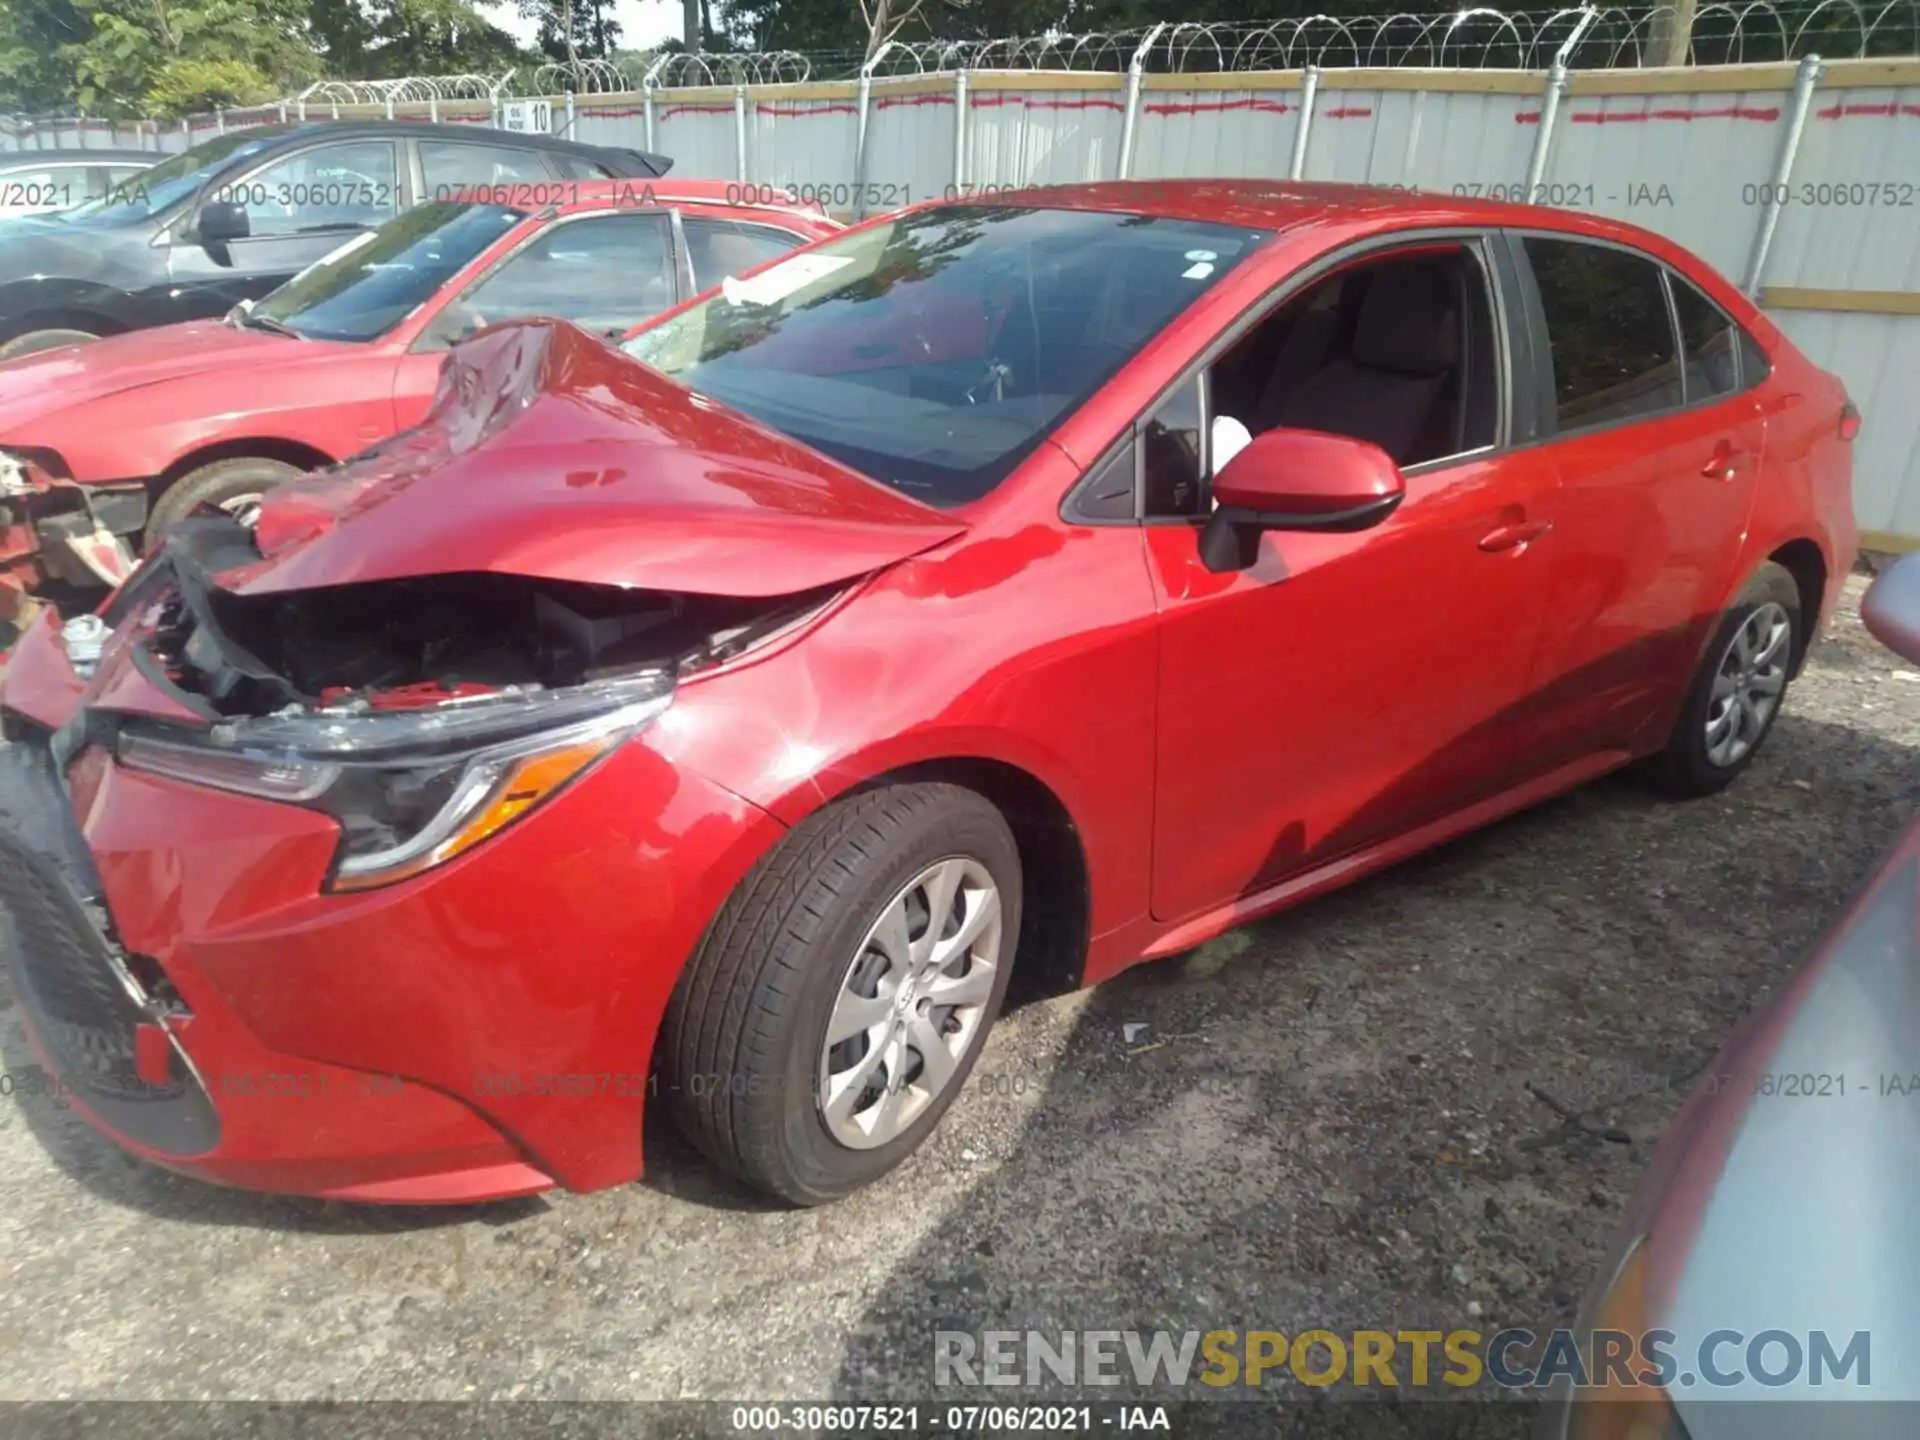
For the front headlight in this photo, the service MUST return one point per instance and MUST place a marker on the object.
(1609, 1410)
(411, 789)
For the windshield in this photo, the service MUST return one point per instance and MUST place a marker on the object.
(935, 352)
(374, 281)
(153, 190)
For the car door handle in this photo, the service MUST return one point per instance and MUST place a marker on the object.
(1725, 463)
(1512, 537)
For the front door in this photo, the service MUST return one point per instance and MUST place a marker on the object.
(300, 208)
(1345, 688)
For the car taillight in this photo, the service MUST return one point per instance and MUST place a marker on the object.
(1849, 420)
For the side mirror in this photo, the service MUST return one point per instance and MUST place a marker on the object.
(221, 221)
(1297, 480)
(1891, 607)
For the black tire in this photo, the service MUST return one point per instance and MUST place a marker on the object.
(213, 486)
(34, 341)
(1685, 768)
(741, 1047)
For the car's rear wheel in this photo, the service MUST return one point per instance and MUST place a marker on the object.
(1736, 694)
(230, 487)
(841, 996)
(34, 341)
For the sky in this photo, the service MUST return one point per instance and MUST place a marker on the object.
(642, 22)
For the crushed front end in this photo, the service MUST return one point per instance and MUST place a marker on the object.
(371, 891)
(53, 529)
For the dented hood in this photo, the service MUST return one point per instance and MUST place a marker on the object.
(549, 454)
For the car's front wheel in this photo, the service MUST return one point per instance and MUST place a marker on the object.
(841, 996)
(1736, 693)
(227, 487)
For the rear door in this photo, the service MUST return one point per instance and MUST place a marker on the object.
(1657, 445)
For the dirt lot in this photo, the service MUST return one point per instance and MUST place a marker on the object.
(1324, 1122)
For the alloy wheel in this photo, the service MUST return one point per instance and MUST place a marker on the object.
(1748, 683)
(911, 1003)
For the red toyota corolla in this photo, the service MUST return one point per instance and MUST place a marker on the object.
(1043, 585)
(123, 436)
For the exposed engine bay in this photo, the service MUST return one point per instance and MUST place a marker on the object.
(415, 642)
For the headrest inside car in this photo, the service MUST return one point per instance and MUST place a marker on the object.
(1407, 321)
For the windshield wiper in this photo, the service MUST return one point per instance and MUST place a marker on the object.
(255, 321)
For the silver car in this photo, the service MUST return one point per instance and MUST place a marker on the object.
(1768, 1276)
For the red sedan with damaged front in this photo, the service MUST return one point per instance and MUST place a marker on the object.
(103, 445)
(1042, 586)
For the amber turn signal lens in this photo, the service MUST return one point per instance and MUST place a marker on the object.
(526, 784)
(1611, 1409)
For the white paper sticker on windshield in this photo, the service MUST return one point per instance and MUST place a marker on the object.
(1197, 272)
(784, 279)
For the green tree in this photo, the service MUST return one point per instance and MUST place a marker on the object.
(169, 57)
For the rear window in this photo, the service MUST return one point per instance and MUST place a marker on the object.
(1612, 338)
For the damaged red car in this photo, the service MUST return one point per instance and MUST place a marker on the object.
(1031, 587)
(104, 445)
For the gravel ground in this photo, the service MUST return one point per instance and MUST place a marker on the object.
(1324, 1123)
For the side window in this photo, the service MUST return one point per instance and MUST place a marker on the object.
(1754, 365)
(605, 273)
(1709, 340)
(330, 187)
(1398, 350)
(719, 248)
(1173, 459)
(448, 166)
(1610, 332)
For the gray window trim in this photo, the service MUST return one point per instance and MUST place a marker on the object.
(1477, 241)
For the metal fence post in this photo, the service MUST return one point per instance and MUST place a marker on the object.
(960, 108)
(1550, 102)
(1309, 93)
(219, 121)
(1130, 119)
(1804, 83)
(303, 109)
(1543, 138)
(648, 82)
(389, 105)
(863, 108)
(336, 109)
(433, 108)
(740, 133)
(567, 131)
(283, 112)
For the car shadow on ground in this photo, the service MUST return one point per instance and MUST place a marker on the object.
(1328, 1120)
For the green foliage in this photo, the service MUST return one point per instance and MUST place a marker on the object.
(164, 58)
(193, 87)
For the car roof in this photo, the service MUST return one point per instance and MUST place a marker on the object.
(638, 164)
(1283, 205)
(711, 194)
(27, 159)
